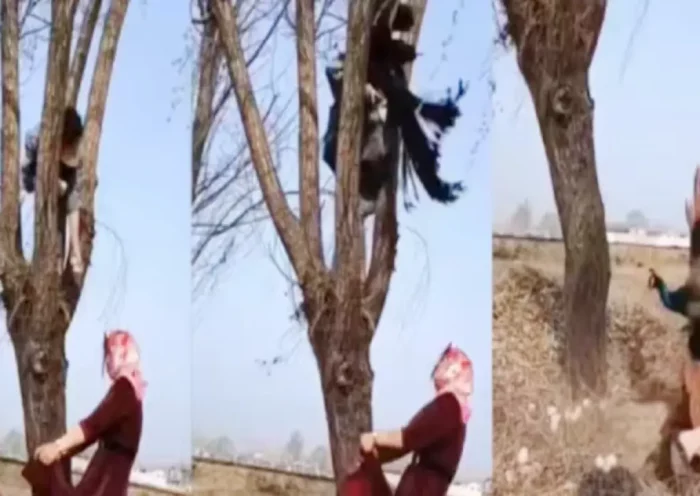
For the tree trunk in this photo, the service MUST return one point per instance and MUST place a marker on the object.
(555, 44)
(571, 156)
(41, 367)
(346, 380)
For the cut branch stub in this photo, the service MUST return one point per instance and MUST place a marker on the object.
(39, 363)
(567, 101)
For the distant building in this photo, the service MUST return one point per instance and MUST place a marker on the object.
(618, 234)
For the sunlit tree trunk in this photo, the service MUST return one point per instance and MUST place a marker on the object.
(555, 43)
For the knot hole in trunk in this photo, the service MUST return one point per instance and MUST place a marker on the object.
(350, 374)
(568, 100)
(39, 363)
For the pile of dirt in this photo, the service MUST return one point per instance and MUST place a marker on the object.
(543, 442)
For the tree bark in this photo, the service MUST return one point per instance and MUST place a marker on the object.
(41, 365)
(309, 202)
(10, 244)
(555, 44)
(87, 34)
(346, 380)
(208, 68)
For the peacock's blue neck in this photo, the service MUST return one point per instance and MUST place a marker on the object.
(664, 294)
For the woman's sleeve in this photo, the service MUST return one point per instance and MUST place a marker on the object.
(119, 403)
(439, 418)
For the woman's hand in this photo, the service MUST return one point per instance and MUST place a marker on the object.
(368, 443)
(48, 453)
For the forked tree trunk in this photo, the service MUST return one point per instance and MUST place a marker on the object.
(555, 43)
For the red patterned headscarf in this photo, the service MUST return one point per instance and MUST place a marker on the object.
(454, 374)
(122, 359)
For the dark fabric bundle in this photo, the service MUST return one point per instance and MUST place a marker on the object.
(29, 171)
(72, 132)
(395, 116)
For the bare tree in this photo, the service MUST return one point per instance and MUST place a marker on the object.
(342, 304)
(555, 42)
(225, 196)
(39, 297)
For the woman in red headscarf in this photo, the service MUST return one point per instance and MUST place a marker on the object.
(435, 436)
(115, 424)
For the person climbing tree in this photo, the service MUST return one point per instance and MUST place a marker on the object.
(678, 300)
(116, 423)
(70, 161)
(435, 436)
(393, 114)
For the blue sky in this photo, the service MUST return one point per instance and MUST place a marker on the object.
(143, 196)
(441, 290)
(646, 120)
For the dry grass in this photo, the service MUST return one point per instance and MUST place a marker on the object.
(543, 443)
(222, 478)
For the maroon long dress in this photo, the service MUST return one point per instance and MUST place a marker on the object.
(435, 436)
(116, 424)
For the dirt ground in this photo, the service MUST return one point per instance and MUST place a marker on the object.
(543, 443)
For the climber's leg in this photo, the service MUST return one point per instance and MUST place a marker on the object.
(73, 225)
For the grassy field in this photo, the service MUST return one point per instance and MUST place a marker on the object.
(543, 442)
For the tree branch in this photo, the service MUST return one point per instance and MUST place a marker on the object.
(95, 114)
(10, 253)
(349, 234)
(308, 128)
(47, 249)
(82, 50)
(208, 64)
(385, 236)
(99, 90)
(283, 219)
